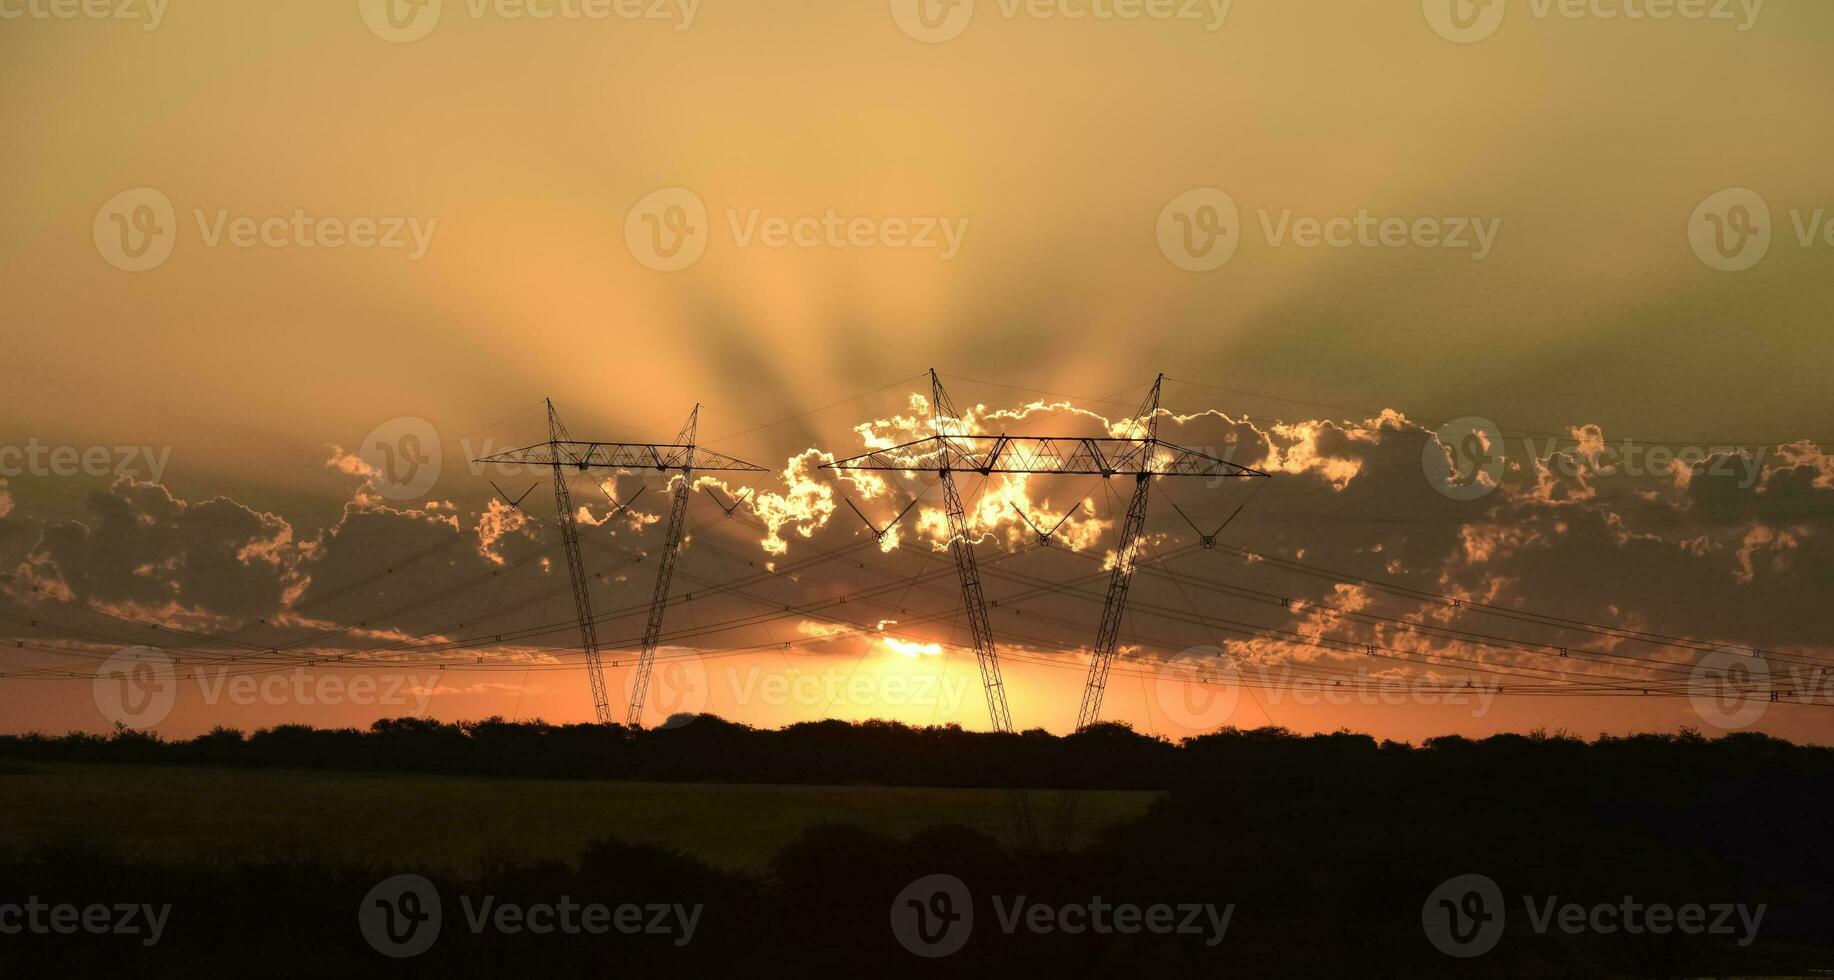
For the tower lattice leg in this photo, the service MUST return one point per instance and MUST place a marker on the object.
(576, 572)
(986, 655)
(1107, 638)
(665, 573)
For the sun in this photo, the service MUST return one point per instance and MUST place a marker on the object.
(911, 648)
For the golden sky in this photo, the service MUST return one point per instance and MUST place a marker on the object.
(1000, 179)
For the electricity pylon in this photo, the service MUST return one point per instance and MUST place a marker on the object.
(1143, 458)
(681, 456)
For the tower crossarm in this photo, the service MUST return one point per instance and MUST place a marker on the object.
(1047, 455)
(623, 456)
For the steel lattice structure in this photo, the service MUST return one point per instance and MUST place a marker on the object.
(1144, 458)
(1050, 455)
(562, 452)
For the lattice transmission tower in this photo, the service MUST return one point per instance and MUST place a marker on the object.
(562, 453)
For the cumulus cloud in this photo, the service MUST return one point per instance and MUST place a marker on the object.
(144, 550)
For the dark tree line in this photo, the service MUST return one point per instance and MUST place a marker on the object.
(1108, 756)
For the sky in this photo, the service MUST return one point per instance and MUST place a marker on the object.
(246, 247)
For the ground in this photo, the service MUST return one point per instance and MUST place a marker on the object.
(181, 811)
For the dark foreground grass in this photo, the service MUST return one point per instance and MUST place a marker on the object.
(452, 821)
(1305, 857)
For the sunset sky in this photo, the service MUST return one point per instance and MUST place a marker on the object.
(388, 226)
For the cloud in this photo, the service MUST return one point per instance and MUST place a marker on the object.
(142, 549)
(1344, 548)
(804, 507)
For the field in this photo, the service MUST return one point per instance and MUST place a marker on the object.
(173, 812)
